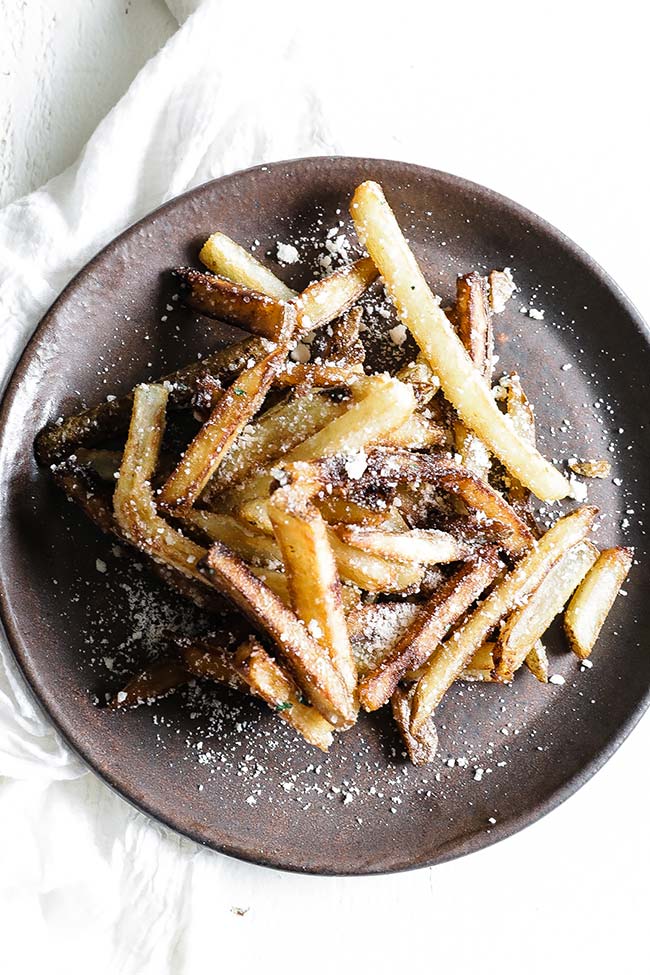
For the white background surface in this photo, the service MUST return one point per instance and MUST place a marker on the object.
(563, 103)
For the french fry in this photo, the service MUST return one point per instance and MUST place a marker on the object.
(154, 682)
(537, 662)
(133, 503)
(422, 747)
(250, 545)
(104, 463)
(224, 257)
(310, 666)
(311, 571)
(588, 610)
(422, 378)
(344, 342)
(273, 434)
(232, 412)
(449, 659)
(416, 433)
(501, 288)
(474, 326)
(56, 440)
(323, 375)
(429, 627)
(232, 303)
(481, 665)
(268, 680)
(591, 468)
(339, 510)
(529, 622)
(332, 296)
(208, 659)
(424, 546)
(276, 580)
(462, 384)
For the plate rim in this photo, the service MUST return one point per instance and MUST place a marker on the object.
(455, 848)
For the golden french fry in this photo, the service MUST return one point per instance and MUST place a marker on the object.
(588, 610)
(422, 377)
(444, 608)
(324, 375)
(252, 546)
(232, 303)
(529, 622)
(474, 321)
(481, 665)
(537, 662)
(330, 297)
(462, 384)
(276, 580)
(311, 667)
(421, 747)
(311, 571)
(450, 658)
(424, 546)
(224, 257)
(208, 659)
(233, 411)
(267, 680)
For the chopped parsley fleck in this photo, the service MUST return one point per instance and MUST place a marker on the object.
(284, 706)
(240, 392)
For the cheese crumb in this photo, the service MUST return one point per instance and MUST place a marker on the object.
(556, 679)
(287, 253)
(100, 565)
(398, 335)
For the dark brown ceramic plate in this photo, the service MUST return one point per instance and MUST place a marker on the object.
(224, 771)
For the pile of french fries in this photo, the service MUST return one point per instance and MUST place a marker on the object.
(374, 532)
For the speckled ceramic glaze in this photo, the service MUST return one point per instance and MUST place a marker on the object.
(260, 794)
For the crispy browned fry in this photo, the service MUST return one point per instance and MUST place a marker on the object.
(57, 440)
(208, 658)
(313, 579)
(311, 667)
(375, 629)
(275, 432)
(529, 622)
(224, 257)
(450, 658)
(426, 546)
(421, 747)
(463, 385)
(233, 411)
(474, 321)
(326, 375)
(344, 342)
(232, 303)
(422, 378)
(502, 287)
(156, 680)
(97, 505)
(438, 615)
(591, 468)
(416, 433)
(324, 300)
(474, 326)
(276, 580)
(522, 415)
(340, 510)
(250, 545)
(267, 680)
(537, 662)
(104, 463)
(588, 610)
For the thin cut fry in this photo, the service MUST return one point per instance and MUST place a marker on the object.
(232, 303)
(324, 375)
(537, 662)
(591, 468)
(450, 658)
(250, 545)
(474, 321)
(588, 610)
(311, 571)
(462, 384)
(530, 621)
(429, 627)
(502, 287)
(207, 658)
(425, 546)
(330, 297)
(224, 257)
(233, 411)
(157, 680)
(422, 747)
(311, 667)
(267, 680)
